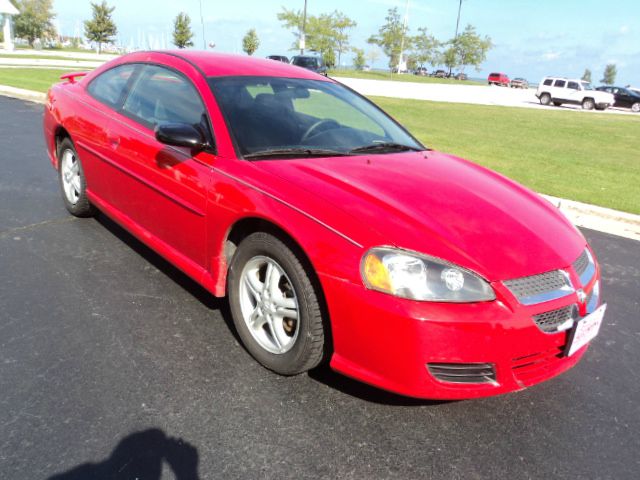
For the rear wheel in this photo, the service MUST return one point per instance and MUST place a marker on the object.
(545, 99)
(274, 305)
(635, 107)
(72, 181)
(588, 104)
(557, 104)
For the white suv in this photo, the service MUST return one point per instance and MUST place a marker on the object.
(577, 92)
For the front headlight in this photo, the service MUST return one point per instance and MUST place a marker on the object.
(419, 277)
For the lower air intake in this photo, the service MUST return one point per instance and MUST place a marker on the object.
(463, 372)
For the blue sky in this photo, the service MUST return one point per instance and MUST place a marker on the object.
(532, 38)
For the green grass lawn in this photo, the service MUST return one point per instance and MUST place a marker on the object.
(584, 156)
(405, 77)
(37, 79)
(50, 57)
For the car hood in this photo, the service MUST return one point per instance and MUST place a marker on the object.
(438, 205)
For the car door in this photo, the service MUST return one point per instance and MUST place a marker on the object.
(161, 188)
(93, 117)
(559, 92)
(626, 99)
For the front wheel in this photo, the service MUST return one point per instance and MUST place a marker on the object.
(545, 99)
(635, 107)
(72, 181)
(275, 306)
(588, 104)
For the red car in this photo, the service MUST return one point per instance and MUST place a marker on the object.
(500, 79)
(336, 235)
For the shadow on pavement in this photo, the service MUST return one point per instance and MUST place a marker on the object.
(335, 380)
(322, 374)
(175, 274)
(140, 456)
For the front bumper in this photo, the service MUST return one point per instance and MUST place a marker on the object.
(388, 342)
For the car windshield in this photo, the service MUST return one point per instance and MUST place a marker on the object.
(586, 86)
(305, 61)
(303, 118)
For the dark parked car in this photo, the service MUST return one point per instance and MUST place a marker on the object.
(315, 64)
(461, 76)
(439, 74)
(519, 83)
(279, 58)
(624, 97)
(422, 71)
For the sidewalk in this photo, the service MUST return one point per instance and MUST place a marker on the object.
(601, 219)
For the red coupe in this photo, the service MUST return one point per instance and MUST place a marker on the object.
(336, 235)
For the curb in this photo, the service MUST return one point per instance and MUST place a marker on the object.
(601, 219)
(597, 218)
(22, 94)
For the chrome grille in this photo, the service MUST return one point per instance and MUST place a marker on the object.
(463, 372)
(540, 288)
(581, 264)
(593, 298)
(557, 320)
(585, 267)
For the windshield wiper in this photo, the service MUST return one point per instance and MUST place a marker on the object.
(386, 146)
(295, 152)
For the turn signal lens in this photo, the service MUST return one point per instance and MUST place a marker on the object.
(376, 274)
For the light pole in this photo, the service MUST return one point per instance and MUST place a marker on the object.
(204, 40)
(404, 31)
(303, 39)
(458, 22)
(457, 27)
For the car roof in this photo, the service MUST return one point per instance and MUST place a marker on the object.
(221, 64)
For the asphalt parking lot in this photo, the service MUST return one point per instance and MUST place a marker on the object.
(115, 365)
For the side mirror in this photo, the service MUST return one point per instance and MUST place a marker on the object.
(181, 135)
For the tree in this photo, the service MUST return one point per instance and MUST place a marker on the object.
(359, 61)
(182, 33)
(390, 35)
(101, 28)
(372, 55)
(341, 24)
(610, 73)
(34, 20)
(326, 33)
(426, 49)
(468, 48)
(250, 42)
(586, 76)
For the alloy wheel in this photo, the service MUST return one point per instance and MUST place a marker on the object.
(269, 305)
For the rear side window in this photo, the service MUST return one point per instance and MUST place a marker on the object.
(548, 82)
(573, 86)
(161, 96)
(109, 86)
(560, 83)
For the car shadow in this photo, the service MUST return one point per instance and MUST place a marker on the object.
(141, 455)
(176, 275)
(325, 375)
(322, 374)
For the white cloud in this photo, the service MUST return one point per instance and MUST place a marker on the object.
(624, 29)
(551, 55)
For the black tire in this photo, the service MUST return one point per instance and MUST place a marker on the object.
(308, 348)
(557, 104)
(545, 99)
(81, 207)
(635, 107)
(588, 104)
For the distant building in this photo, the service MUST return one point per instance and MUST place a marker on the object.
(8, 10)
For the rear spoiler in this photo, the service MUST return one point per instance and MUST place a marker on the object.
(71, 77)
